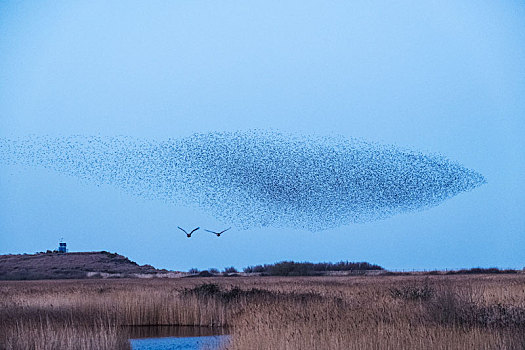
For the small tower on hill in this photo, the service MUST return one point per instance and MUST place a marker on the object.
(62, 247)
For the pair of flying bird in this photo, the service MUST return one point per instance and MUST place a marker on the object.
(218, 234)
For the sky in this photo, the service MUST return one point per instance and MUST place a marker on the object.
(441, 77)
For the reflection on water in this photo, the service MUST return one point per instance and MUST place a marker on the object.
(176, 337)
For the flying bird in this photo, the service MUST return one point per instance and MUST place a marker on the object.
(188, 234)
(218, 233)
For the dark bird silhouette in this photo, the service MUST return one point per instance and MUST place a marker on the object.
(188, 234)
(218, 233)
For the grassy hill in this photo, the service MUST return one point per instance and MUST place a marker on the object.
(70, 265)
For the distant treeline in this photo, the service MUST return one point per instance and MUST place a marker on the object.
(478, 270)
(292, 268)
(472, 271)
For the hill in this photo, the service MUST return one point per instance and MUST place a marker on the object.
(71, 265)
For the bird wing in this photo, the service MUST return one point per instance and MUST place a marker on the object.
(210, 231)
(226, 230)
(195, 229)
(183, 230)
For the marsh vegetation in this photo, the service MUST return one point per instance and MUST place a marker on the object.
(358, 312)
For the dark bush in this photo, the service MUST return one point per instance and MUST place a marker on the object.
(413, 292)
(480, 270)
(254, 269)
(207, 290)
(292, 268)
(230, 269)
(205, 273)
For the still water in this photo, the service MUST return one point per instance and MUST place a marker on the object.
(176, 338)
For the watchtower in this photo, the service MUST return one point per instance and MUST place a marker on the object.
(62, 247)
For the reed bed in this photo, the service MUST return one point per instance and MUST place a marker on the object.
(366, 312)
(49, 335)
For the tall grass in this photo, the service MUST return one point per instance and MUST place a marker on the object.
(49, 335)
(410, 312)
(424, 315)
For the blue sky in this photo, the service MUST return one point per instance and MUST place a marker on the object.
(442, 77)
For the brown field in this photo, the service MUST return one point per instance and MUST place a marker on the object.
(368, 312)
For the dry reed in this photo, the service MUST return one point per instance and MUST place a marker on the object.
(399, 312)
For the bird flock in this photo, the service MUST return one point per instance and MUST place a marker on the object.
(257, 178)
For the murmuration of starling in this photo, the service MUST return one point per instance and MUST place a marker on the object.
(257, 178)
